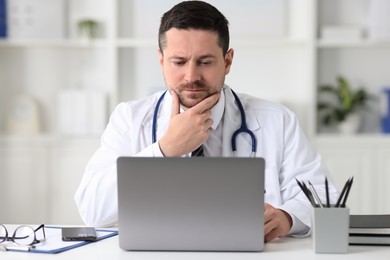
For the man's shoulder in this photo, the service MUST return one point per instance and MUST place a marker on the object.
(143, 107)
(255, 103)
(142, 103)
(145, 101)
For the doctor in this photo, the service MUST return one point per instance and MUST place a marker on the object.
(199, 109)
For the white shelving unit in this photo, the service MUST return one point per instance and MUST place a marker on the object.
(362, 62)
(123, 63)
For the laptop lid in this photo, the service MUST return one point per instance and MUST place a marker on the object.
(194, 204)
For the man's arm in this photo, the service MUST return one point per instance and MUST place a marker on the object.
(96, 196)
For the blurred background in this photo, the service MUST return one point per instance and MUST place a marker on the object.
(66, 64)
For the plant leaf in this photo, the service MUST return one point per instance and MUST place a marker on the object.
(345, 93)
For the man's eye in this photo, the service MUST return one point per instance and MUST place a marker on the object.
(205, 63)
(179, 63)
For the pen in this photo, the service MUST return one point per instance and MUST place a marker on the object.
(302, 188)
(310, 194)
(347, 193)
(342, 194)
(306, 192)
(327, 192)
(316, 195)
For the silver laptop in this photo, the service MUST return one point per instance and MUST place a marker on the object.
(191, 204)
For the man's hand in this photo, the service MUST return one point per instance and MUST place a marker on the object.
(187, 130)
(277, 223)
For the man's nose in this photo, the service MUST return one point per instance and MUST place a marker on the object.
(192, 73)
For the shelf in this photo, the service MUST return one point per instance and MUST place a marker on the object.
(363, 138)
(47, 43)
(352, 44)
(45, 137)
(26, 140)
(269, 43)
(135, 42)
(143, 42)
(266, 43)
(140, 43)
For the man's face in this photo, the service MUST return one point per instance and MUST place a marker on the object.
(193, 64)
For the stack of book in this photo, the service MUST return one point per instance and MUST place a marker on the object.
(37, 19)
(81, 111)
(369, 230)
(3, 19)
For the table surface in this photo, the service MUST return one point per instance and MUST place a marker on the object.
(295, 248)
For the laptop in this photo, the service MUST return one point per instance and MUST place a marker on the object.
(191, 204)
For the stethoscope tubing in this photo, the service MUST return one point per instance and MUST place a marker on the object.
(243, 128)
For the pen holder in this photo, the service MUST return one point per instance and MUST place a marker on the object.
(330, 230)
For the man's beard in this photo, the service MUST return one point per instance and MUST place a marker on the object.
(205, 91)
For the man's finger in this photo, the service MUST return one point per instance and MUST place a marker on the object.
(175, 103)
(206, 104)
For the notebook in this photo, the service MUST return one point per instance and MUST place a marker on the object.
(369, 230)
(191, 204)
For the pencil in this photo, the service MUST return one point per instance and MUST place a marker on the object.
(327, 192)
(347, 193)
(342, 194)
(306, 192)
(316, 195)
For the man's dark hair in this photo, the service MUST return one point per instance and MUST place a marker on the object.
(195, 15)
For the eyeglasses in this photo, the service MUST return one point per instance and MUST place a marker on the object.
(24, 235)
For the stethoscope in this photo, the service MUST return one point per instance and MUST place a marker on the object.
(243, 128)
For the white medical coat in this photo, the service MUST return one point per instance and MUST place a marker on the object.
(280, 141)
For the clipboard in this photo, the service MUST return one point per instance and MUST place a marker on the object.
(54, 244)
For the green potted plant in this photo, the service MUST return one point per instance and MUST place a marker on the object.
(340, 105)
(87, 28)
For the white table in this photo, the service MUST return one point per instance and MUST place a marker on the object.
(286, 248)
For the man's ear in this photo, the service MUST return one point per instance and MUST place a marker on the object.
(228, 60)
(160, 57)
